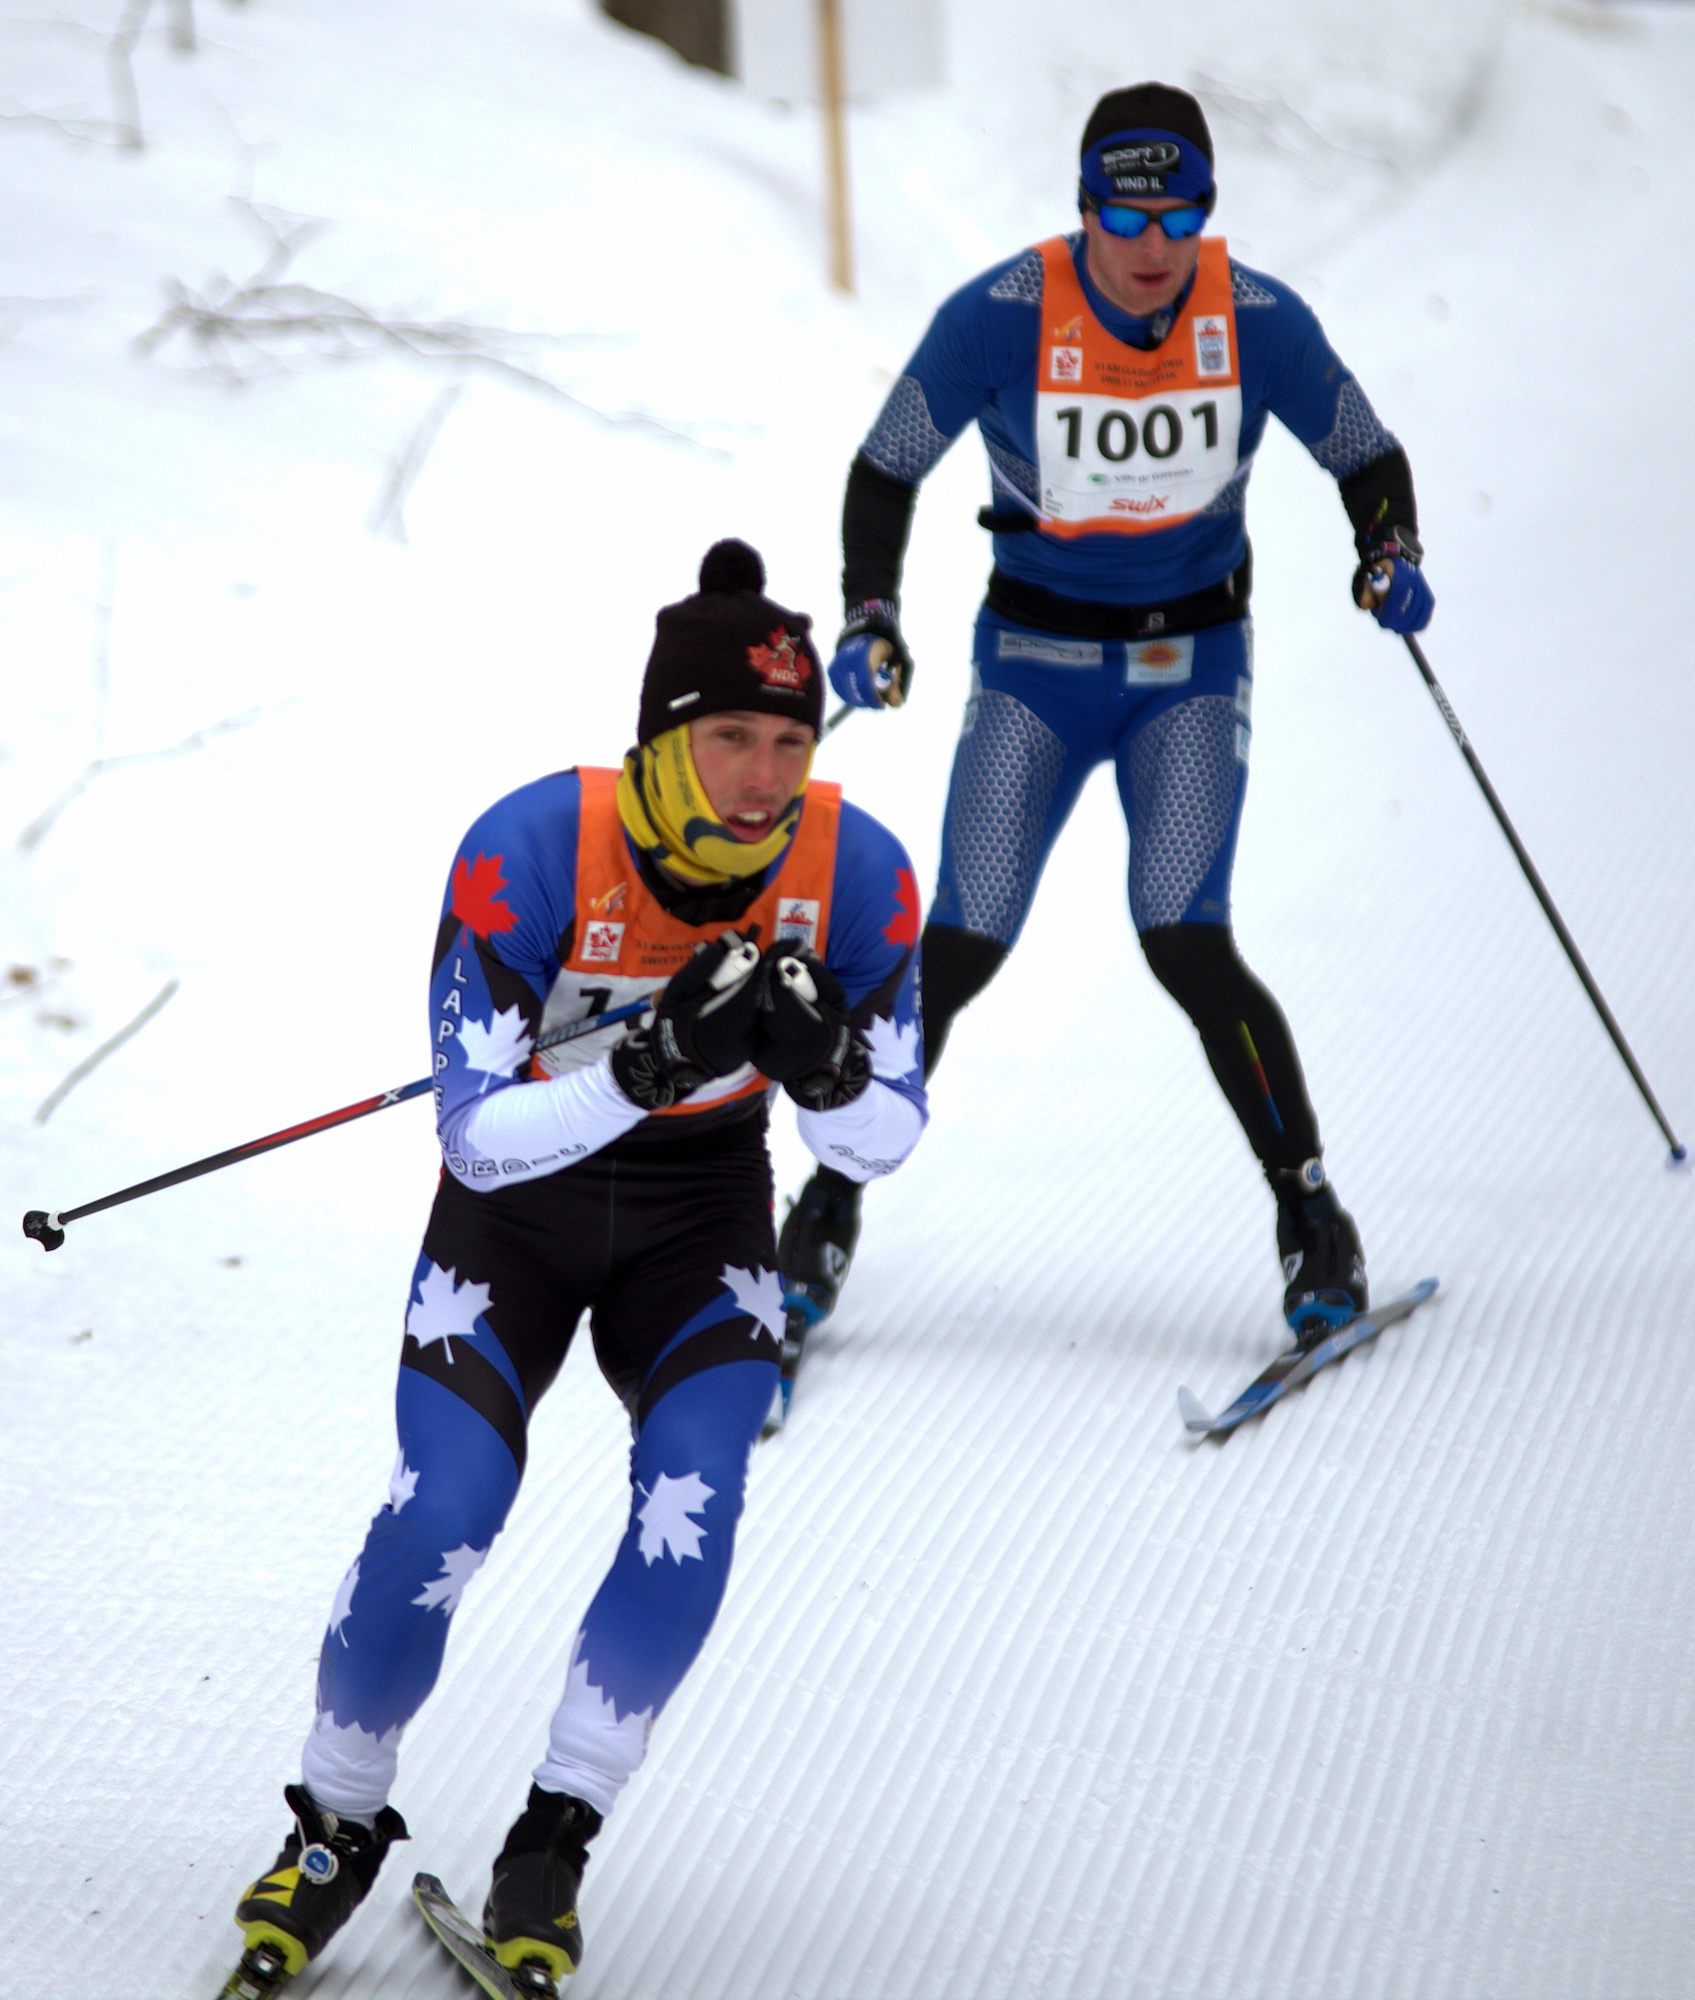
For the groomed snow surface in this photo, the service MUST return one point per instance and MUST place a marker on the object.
(1018, 1690)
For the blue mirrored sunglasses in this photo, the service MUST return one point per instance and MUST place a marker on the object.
(1177, 223)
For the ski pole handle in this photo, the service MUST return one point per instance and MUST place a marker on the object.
(48, 1229)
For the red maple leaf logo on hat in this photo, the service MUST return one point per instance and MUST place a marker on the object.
(476, 896)
(778, 662)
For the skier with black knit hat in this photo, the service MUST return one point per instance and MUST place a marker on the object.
(1121, 379)
(773, 929)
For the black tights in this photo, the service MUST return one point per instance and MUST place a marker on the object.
(1242, 1029)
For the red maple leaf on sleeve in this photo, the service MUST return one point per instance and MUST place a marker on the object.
(476, 895)
(902, 927)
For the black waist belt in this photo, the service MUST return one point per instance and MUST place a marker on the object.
(1045, 610)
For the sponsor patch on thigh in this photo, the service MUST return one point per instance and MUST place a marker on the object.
(1159, 662)
(1054, 652)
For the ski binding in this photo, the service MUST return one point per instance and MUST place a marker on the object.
(1299, 1362)
(263, 1971)
(800, 1316)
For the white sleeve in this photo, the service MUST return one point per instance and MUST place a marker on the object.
(531, 1129)
(867, 1138)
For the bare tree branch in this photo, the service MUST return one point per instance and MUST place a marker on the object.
(247, 331)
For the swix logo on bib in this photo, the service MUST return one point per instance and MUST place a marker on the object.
(1127, 441)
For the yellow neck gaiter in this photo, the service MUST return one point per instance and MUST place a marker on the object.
(666, 813)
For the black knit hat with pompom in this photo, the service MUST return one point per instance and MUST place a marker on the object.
(730, 647)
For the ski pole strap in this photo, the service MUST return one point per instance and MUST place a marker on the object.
(1679, 1152)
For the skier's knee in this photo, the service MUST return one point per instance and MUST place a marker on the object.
(956, 966)
(706, 1425)
(1197, 964)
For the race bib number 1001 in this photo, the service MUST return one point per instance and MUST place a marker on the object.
(1133, 439)
(1135, 461)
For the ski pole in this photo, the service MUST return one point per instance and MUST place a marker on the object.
(49, 1230)
(1679, 1152)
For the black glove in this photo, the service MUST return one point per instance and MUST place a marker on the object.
(872, 668)
(702, 1026)
(804, 1039)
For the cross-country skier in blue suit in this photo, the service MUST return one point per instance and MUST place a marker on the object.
(1121, 380)
(774, 928)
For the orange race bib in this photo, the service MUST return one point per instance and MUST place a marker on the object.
(1128, 442)
(627, 944)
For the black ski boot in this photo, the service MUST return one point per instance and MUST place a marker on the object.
(816, 1246)
(530, 1919)
(1323, 1264)
(315, 1884)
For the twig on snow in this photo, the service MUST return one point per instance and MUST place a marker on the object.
(50, 1103)
(388, 514)
(120, 72)
(43, 823)
(84, 131)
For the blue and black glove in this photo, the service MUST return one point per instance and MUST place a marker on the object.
(1391, 586)
(872, 668)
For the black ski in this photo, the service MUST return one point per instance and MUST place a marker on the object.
(464, 1941)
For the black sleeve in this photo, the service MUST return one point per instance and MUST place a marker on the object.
(1379, 498)
(876, 520)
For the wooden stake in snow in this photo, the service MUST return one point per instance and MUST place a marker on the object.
(830, 96)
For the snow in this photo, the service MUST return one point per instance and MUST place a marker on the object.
(1017, 1690)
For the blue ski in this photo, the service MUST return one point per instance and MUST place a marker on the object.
(1300, 1362)
(798, 1322)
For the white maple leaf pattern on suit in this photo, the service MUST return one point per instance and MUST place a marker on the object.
(353, 1746)
(759, 1292)
(458, 1566)
(499, 1047)
(894, 1049)
(664, 1517)
(403, 1482)
(343, 1605)
(445, 1308)
(591, 1715)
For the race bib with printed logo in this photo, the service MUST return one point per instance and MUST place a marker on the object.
(1130, 441)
